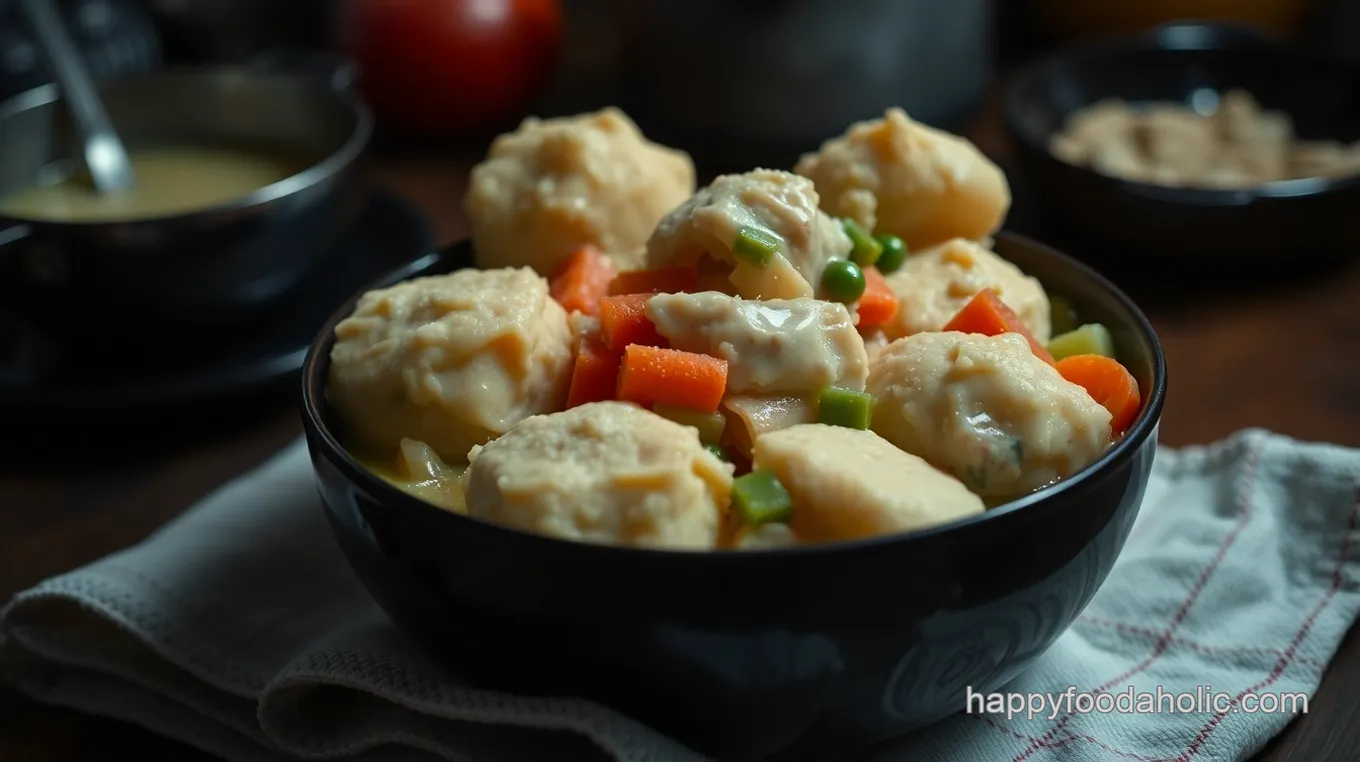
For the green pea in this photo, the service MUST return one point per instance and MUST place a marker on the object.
(894, 253)
(718, 452)
(843, 281)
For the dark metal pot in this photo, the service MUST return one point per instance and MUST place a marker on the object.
(211, 268)
(748, 84)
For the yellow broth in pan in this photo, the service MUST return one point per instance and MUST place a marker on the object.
(169, 181)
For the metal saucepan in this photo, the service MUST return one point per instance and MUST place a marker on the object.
(212, 268)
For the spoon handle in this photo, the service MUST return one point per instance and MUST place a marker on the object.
(105, 156)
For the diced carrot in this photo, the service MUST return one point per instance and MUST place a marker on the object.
(624, 321)
(667, 280)
(879, 304)
(583, 280)
(988, 315)
(1109, 383)
(656, 375)
(596, 374)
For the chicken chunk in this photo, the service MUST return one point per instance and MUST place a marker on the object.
(776, 205)
(782, 345)
(847, 484)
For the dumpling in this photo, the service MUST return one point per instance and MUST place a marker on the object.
(895, 175)
(450, 360)
(707, 226)
(776, 346)
(604, 472)
(554, 185)
(985, 409)
(846, 484)
(933, 285)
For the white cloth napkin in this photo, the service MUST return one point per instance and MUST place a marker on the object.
(239, 628)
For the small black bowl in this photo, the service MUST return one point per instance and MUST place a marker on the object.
(1115, 221)
(790, 653)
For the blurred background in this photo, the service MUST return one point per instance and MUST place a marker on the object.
(715, 77)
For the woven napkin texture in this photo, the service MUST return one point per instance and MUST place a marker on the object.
(239, 629)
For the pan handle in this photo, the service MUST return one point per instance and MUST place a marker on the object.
(13, 235)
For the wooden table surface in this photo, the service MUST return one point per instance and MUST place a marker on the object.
(1280, 360)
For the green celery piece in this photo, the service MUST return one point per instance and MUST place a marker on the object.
(843, 407)
(866, 249)
(1089, 339)
(756, 245)
(760, 498)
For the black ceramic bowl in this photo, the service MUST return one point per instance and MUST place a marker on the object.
(1110, 219)
(786, 653)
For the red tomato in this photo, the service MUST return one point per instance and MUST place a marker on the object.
(447, 66)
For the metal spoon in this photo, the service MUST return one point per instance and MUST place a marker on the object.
(105, 156)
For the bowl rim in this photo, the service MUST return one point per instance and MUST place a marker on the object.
(345, 155)
(320, 436)
(1167, 38)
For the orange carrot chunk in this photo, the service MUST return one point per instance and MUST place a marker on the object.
(624, 321)
(879, 304)
(1109, 383)
(666, 280)
(583, 280)
(660, 376)
(595, 376)
(988, 315)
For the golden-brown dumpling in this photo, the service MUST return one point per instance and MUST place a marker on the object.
(553, 185)
(895, 175)
(450, 360)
